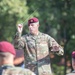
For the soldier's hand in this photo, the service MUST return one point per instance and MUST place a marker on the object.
(20, 28)
(55, 46)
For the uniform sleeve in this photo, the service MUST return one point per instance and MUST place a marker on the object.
(29, 72)
(54, 46)
(19, 41)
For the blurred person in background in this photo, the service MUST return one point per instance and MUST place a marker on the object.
(7, 54)
(37, 47)
(73, 64)
(19, 58)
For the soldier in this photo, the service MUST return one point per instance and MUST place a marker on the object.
(73, 64)
(37, 47)
(7, 54)
(19, 58)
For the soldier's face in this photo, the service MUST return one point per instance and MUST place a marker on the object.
(33, 28)
(73, 63)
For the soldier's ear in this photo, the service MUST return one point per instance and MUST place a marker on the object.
(38, 25)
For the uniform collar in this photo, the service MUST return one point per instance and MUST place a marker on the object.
(35, 35)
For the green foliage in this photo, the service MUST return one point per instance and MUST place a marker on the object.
(70, 47)
(11, 13)
(58, 70)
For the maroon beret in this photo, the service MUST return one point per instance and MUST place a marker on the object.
(7, 47)
(33, 20)
(73, 54)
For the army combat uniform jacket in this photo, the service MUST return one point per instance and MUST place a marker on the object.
(12, 70)
(36, 51)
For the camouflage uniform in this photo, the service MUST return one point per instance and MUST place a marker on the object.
(36, 51)
(12, 70)
(72, 73)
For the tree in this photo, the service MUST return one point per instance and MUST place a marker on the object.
(11, 13)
